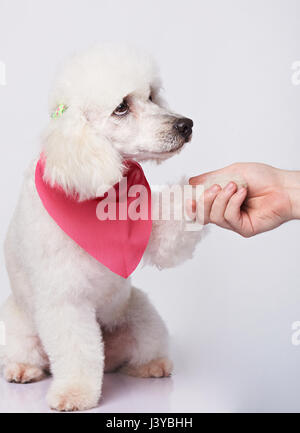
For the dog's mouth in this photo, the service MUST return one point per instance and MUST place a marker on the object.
(171, 145)
(174, 150)
(156, 155)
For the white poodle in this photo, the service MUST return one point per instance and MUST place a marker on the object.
(68, 314)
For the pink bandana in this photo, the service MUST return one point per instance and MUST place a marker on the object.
(117, 243)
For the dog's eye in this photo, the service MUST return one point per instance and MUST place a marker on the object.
(150, 98)
(122, 109)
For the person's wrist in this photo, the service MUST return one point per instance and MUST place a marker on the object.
(292, 186)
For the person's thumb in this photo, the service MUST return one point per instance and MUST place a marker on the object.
(201, 179)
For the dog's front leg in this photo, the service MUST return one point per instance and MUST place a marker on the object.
(173, 239)
(72, 339)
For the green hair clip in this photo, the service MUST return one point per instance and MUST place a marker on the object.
(59, 111)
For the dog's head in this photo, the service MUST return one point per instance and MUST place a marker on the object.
(114, 112)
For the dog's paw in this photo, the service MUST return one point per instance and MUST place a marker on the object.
(223, 180)
(22, 373)
(161, 367)
(72, 397)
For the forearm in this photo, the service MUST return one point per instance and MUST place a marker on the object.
(292, 186)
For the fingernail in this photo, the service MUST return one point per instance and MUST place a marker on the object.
(229, 187)
(214, 188)
(241, 190)
(193, 181)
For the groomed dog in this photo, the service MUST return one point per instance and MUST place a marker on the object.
(68, 314)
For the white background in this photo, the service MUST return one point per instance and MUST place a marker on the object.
(227, 65)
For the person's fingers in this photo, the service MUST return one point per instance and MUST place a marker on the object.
(191, 208)
(233, 213)
(209, 197)
(220, 203)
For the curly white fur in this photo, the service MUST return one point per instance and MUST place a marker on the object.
(69, 314)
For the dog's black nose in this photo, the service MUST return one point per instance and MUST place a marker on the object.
(184, 127)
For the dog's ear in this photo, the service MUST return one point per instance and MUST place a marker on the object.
(78, 158)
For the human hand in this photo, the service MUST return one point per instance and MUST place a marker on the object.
(272, 197)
